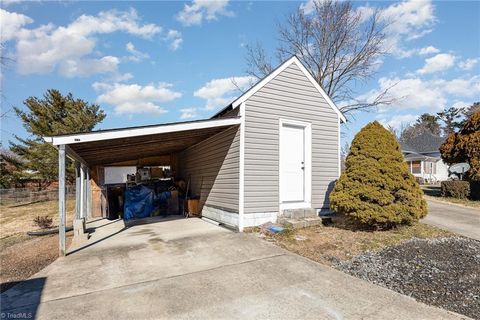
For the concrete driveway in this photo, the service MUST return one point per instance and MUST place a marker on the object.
(192, 269)
(457, 219)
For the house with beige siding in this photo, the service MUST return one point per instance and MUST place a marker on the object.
(275, 148)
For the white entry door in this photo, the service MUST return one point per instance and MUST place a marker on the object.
(292, 163)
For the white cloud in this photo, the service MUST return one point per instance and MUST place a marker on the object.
(188, 113)
(439, 62)
(468, 64)
(135, 55)
(429, 95)
(461, 104)
(200, 10)
(397, 121)
(220, 92)
(407, 20)
(428, 50)
(308, 7)
(134, 98)
(68, 49)
(175, 38)
(11, 23)
(86, 67)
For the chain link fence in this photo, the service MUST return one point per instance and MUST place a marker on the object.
(23, 196)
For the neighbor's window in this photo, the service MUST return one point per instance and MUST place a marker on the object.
(416, 167)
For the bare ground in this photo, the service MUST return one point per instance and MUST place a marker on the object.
(26, 257)
(21, 255)
(344, 239)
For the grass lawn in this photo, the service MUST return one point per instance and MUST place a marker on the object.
(21, 255)
(434, 193)
(343, 239)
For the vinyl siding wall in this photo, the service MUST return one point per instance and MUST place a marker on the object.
(290, 95)
(213, 166)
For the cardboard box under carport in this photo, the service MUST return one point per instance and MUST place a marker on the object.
(137, 145)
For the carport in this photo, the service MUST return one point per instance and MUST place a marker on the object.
(155, 144)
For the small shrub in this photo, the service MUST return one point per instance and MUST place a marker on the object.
(43, 222)
(456, 189)
(475, 189)
(376, 187)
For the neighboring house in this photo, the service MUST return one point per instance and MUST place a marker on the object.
(276, 147)
(423, 157)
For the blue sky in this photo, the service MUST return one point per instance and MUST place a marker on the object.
(155, 62)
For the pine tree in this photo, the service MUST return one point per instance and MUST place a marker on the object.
(53, 115)
(451, 118)
(424, 123)
(376, 187)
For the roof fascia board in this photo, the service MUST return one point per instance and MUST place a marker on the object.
(276, 72)
(135, 132)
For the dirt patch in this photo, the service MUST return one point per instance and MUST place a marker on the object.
(444, 272)
(26, 256)
(21, 255)
(344, 239)
(15, 219)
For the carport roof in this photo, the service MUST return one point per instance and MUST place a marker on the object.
(132, 143)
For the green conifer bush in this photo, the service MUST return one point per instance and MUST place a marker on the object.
(376, 187)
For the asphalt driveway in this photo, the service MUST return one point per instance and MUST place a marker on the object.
(192, 269)
(457, 219)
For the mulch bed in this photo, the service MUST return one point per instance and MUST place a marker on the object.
(21, 260)
(443, 272)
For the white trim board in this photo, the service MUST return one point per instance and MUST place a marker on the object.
(307, 201)
(276, 72)
(241, 177)
(143, 131)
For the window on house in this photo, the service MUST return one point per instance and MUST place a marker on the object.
(416, 167)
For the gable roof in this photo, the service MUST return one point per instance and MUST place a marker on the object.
(423, 143)
(261, 83)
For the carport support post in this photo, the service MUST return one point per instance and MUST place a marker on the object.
(61, 200)
(82, 191)
(77, 190)
(89, 193)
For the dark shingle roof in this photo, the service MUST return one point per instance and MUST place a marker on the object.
(424, 143)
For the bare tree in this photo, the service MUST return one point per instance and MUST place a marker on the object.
(339, 45)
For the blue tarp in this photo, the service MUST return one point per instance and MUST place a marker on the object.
(139, 202)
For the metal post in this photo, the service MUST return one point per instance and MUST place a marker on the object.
(82, 192)
(89, 195)
(61, 200)
(77, 190)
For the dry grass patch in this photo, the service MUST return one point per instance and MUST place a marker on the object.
(344, 239)
(21, 256)
(463, 202)
(18, 219)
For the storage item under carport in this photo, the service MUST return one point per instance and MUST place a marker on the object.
(115, 198)
(139, 202)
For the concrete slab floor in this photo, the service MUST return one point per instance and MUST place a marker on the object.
(188, 268)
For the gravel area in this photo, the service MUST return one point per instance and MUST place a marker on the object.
(444, 272)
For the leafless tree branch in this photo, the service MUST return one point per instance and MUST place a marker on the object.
(339, 45)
